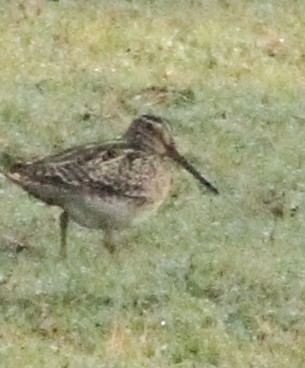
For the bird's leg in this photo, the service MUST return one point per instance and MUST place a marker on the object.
(108, 240)
(63, 220)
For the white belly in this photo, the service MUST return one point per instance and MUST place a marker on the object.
(100, 213)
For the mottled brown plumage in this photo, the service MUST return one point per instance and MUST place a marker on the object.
(107, 185)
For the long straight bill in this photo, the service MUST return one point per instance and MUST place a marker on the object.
(190, 168)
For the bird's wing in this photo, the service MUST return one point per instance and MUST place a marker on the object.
(109, 168)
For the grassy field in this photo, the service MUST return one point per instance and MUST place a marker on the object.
(207, 282)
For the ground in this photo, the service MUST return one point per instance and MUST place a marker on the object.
(209, 281)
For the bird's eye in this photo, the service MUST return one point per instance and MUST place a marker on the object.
(150, 127)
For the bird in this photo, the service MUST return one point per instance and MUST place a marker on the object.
(107, 185)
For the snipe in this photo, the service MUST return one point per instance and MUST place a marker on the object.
(107, 186)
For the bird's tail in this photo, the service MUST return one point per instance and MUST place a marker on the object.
(8, 162)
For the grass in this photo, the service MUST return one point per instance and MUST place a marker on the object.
(207, 282)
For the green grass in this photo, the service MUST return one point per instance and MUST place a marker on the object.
(207, 282)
